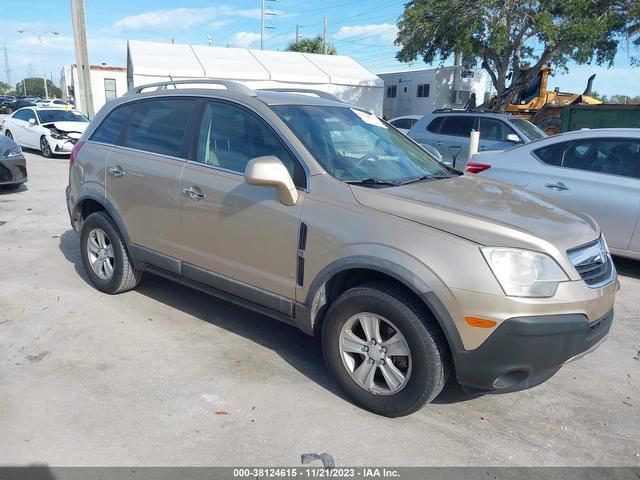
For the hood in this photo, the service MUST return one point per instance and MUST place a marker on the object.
(69, 127)
(484, 211)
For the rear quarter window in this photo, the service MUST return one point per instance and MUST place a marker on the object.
(110, 129)
(434, 124)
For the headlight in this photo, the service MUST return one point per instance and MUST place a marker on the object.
(13, 152)
(523, 273)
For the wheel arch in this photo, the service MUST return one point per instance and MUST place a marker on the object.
(90, 203)
(349, 272)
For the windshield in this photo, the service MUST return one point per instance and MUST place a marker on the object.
(529, 129)
(59, 115)
(355, 146)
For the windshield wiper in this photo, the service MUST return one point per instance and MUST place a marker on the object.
(425, 177)
(373, 181)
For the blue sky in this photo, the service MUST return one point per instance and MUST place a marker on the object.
(363, 29)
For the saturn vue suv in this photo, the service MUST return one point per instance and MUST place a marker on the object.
(318, 214)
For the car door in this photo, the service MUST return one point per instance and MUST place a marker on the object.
(15, 124)
(238, 237)
(32, 131)
(143, 175)
(598, 176)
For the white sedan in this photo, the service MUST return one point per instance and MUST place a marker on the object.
(53, 131)
(595, 171)
(52, 102)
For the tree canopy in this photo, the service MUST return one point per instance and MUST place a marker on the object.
(4, 88)
(502, 36)
(311, 45)
(35, 86)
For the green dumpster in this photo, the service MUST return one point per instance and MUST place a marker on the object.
(600, 116)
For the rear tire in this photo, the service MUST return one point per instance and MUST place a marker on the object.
(424, 370)
(551, 125)
(105, 255)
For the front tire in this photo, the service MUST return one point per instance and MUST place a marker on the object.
(8, 134)
(45, 148)
(384, 349)
(105, 256)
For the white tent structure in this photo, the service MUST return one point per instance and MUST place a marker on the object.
(340, 75)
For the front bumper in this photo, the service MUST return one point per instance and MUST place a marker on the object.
(13, 170)
(61, 146)
(525, 351)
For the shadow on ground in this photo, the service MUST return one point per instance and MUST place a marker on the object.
(296, 348)
(627, 267)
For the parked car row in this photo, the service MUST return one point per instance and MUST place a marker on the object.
(10, 104)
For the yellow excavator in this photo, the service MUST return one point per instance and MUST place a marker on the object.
(543, 107)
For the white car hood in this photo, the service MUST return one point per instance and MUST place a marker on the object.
(73, 129)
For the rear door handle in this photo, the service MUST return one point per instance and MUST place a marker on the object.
(116, 171)
(557, 186)
(191, 193)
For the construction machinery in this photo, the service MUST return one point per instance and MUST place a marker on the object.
(543, 107)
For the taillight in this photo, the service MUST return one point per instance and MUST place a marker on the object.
(477, 167)
(74, 153)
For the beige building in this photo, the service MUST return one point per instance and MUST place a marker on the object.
(107, 83)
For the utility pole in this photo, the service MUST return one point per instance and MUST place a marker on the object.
(325, 28)
(44, 73)
(262, 21)
(82, 57)
(209, 40)
(297, 34)
(7, 68)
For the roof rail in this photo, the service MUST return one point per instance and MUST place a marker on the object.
(309, 91)
(230, 85)
(462, 110)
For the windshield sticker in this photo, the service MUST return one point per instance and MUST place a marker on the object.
(369, 118)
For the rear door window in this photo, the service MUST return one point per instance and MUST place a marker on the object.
(160, 126)
(110, 130)
(458, 125)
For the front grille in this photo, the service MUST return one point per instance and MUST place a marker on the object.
(593, 263)
(5, 174)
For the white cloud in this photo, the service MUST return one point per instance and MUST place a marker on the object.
(384, 31)
(184, 18)
(245, 39)
(46, 42)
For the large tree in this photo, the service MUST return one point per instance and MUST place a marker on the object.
(311, 45)
(502, 36)
(4, 88)
(35, 86)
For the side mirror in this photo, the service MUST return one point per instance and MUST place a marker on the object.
(269, 171)
(32, 121)
(513, 138)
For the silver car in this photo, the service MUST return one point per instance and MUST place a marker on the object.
(449, 132)
(595, 171)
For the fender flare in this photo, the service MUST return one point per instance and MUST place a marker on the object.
(109, 208)
(306, 317)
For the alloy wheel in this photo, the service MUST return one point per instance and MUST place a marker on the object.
(45, 148)
(100, 254)
(375, 353)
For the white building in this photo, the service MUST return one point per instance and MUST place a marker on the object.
(340, 75)
(419, 92)
(107, 83)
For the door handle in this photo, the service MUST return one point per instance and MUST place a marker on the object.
(116, 171)
(191, 193)
(557, 186)
(437, 144)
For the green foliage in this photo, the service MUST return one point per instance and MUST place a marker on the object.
(504, 35)
(311, 45)
(4, 88)
(35, 86)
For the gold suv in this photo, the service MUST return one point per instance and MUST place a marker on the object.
(317, 213)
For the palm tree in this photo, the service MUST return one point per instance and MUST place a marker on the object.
(310, 45)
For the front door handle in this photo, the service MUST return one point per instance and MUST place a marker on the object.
(437, 144)
(116, 171)
(191, 193)
(557, 186)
